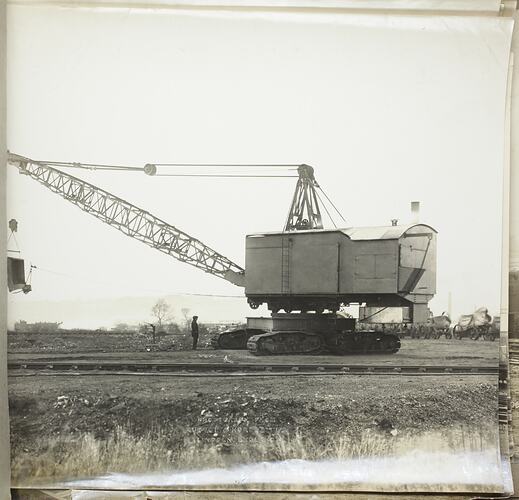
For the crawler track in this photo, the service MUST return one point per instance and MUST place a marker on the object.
(32, 367)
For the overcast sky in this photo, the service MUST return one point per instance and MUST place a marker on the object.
(387, 109)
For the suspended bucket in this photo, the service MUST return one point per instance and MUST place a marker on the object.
(16, 280)
(16, 275)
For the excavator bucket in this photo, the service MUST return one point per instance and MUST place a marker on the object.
(16, 275)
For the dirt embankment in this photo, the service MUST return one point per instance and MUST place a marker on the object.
(318, 406)
(63, 427)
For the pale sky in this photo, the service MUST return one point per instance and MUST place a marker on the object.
(388, 110)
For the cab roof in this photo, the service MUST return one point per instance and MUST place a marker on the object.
(358, 233)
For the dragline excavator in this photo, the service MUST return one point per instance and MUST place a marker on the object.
(305, 270)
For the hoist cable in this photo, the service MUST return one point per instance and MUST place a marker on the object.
(103, 166)
(224, 175)
(91, 166)
(331, 202)
(275, 165)
(17, 246)
(117, 168)
(138, 169)
(326, 208)
(15, 240)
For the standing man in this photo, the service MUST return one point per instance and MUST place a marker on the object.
(194, 331)
(152, 331)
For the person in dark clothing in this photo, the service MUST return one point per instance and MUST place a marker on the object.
(194, 331)
(152, 331)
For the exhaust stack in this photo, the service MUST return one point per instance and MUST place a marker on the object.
(415, 212)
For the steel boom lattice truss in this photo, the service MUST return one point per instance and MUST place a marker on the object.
(130, 220)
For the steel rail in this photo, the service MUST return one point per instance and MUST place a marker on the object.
(513, 353)
(247, 369)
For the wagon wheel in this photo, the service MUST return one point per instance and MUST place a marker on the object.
(456, 332)
(479, 331)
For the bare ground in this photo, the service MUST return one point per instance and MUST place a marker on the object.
(136, 347)
(55, 419)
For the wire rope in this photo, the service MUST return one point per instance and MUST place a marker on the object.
(125, 168)
(326, 208)
(331, 202)
(269, 165)
(225, 175)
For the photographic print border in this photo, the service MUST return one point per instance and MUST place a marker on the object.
(505, 384)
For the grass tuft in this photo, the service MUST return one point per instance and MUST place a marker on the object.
(82, 455)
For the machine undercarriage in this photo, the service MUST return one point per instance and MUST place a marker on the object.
(307, 333)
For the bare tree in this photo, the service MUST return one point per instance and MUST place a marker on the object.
(160, 311)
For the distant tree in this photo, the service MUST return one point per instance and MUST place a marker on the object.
(21, 326)
(161, 312)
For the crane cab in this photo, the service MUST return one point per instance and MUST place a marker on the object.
(319, 270)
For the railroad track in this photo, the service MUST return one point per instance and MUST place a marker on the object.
(513, 347)
(33, 367)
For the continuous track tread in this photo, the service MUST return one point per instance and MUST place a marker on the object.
(301, 342)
